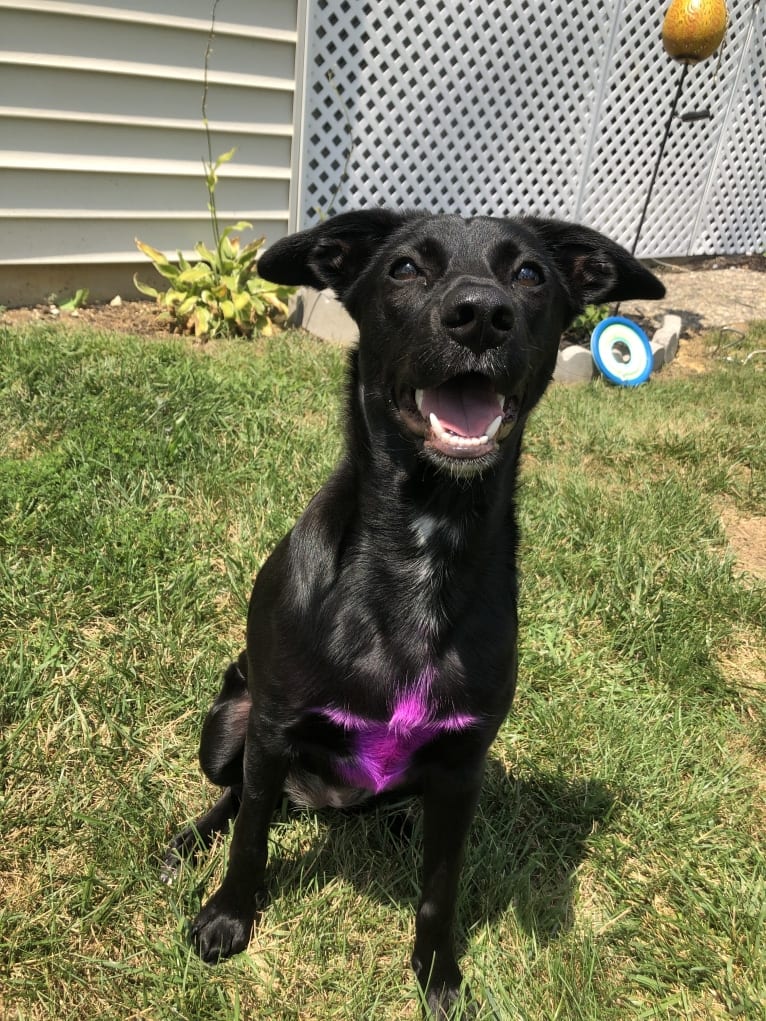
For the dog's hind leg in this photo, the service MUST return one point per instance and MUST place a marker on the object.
(221, 755)
(222, 744)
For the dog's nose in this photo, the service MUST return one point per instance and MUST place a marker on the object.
(477, 315)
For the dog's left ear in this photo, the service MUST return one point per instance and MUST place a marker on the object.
(597, 269)
(332, 254)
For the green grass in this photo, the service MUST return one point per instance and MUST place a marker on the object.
(617, 866)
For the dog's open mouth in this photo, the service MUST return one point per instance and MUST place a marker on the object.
(464, 417)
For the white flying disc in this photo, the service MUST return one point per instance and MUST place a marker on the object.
(621, 351)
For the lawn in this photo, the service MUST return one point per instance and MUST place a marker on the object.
(617, 866)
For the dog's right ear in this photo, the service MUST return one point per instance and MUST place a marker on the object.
(333, 253)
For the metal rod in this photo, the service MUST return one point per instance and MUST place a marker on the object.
(660, 154)
(657, 162)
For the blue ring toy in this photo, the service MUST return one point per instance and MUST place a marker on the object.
(621, 351)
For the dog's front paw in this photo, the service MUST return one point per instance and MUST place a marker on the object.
(446, 997)
(449, 1003)
(221, 929)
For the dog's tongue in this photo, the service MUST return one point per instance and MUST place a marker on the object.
(466, 406)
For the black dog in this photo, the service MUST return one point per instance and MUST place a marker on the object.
(381, 636)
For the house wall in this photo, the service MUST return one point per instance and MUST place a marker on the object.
(102, 138)
(476, 106)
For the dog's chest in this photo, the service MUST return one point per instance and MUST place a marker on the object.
(434, 544)
(379, 752)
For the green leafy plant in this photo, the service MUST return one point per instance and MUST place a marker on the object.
(582, 327)
(221, 294)
(69, 305)
(78, 299)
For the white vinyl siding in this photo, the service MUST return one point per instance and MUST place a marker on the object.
(101, 133)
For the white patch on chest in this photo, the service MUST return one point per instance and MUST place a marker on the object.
(423, 527)
(437, 541)
(429, 531)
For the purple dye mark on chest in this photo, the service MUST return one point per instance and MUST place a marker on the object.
(382, 749)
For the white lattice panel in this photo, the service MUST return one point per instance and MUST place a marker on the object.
(512, 107)
(637, 101)
(733, 216)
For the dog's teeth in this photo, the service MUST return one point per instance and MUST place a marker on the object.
(500, 402)
(453, 439)
(494, 426)
(419, 400)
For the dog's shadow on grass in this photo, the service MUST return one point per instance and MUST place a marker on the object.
(526, 845)
(528, 842)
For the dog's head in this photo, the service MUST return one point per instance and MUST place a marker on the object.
(459, 319)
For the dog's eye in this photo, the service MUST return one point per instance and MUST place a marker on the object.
(404, 269)
(528, 275)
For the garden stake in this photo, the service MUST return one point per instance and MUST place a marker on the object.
(660, 154)
(690, 33)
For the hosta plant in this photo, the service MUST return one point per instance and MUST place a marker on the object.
(219, 295)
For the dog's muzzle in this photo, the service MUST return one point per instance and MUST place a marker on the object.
(465, 417)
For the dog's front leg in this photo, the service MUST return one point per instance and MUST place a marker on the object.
(224, 924)
(449, 803)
